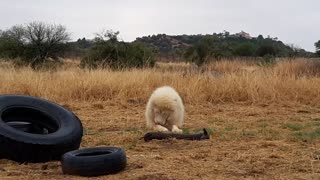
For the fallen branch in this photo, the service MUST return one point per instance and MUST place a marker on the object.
(159, 135)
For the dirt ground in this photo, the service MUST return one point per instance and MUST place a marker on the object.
(247, 142)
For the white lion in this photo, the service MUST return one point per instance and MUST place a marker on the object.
(165, 110)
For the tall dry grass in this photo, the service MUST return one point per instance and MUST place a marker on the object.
(224, 81)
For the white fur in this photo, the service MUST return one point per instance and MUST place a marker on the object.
(165, 110)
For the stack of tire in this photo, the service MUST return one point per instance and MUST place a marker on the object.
(36, 130)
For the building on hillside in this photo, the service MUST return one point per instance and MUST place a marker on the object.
(243, 34)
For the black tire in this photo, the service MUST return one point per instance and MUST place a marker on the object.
(94, 161)
(22, 126)
(36, 130)
(28, 127)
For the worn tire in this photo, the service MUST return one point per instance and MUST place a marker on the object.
(36, 130)
(94, 161)
(22, 126)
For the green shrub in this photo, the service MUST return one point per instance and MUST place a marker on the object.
(201, 52)
(266, 49)
(317, 45)
(244, 49)
(118, 55)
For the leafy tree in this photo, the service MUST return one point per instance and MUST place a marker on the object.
(12, 42)
(107, 51)
(78, 49)
(83, 43)
(201, 52)
(317, 45)
(266, 49)
(244, 49)
(260, 38)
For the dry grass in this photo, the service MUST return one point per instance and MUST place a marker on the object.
(223, 81)
(265, 120)
(248, 142)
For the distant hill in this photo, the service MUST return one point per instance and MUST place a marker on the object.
(226, 44)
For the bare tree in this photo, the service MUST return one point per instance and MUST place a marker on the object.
(107, 35)
(34, 43)
(15, 32)
(45, 41)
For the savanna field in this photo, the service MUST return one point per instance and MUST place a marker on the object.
(264, 120)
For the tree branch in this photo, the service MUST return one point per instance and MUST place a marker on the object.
(159, 135)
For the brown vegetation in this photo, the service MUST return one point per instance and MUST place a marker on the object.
(264, 120)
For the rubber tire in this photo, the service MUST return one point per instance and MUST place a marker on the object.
(28, 127)
(22, 126)
(102, 161)
(20, 146)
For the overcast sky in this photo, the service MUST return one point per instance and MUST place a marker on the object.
(292, 21)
